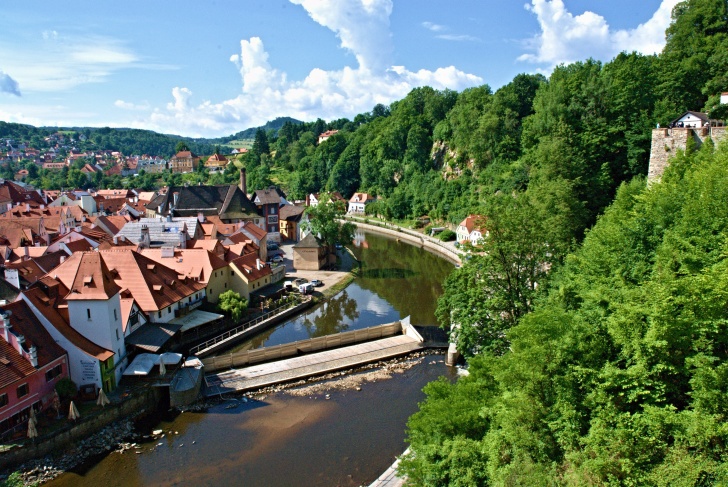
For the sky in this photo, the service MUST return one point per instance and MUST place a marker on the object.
(212, 68)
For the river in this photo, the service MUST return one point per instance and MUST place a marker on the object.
(343, 437)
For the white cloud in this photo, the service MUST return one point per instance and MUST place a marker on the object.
(433, 27)
(63, 62)
(458, 38)
(8, 84)
(363, 29)
(124, 105)
(566, 38)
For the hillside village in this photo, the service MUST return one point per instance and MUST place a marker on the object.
(91, 278)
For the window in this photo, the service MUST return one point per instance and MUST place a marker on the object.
(169, 309)
(115, 317)
(117, 334)
(159, 314)
(88, 313)
(23, 390)
(54, 372)
(3, 400)
(226, 285)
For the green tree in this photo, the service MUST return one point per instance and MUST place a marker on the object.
(181, 147)
(232, 303)
(324, 221)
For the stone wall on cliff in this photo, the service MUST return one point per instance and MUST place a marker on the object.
(667, 141)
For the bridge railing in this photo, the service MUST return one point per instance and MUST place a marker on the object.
(245, 326)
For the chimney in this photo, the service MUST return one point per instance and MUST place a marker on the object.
(200, 217)
(63, 259)
(145, 242)
(257, 264)
(182, 239)
(116, 240)
(10, 206)
(175, 198)
(5, 319)
(26, 253)
(33, 356)
(27, 207)
(243, 182)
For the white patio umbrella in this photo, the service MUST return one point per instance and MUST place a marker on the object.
(102, 399)
(32, 417)
(32, 430)
(162, 368)
(73, 413)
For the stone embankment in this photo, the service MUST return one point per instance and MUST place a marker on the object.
(118, 437)
(446, 250)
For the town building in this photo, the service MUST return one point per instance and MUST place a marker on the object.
(359, 201)
(184, 161)
(31, 364)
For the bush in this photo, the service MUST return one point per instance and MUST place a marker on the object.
(447, 235)
(66, 389)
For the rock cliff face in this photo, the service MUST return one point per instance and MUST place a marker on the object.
(666, 142)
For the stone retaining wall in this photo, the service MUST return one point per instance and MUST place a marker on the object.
(412, 238)
(146, 400)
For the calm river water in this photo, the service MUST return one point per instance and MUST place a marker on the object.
(348, 439)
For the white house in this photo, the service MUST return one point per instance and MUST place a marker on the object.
(359, 201)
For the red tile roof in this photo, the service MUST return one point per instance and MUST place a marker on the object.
(25, 323)
(13, 366)
(153, 285)
(247, 264)
(86, 276)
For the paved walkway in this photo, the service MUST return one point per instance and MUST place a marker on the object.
(389, 478)
(319, 363)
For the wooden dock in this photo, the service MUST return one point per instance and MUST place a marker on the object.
(297, 368)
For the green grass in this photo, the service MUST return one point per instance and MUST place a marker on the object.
(238, 143)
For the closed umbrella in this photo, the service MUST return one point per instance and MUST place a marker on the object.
(73, 413)
(32, 430)
(102, 399)
(162, 368)
(32, 418)
(57, 403)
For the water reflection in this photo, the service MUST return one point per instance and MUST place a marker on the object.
(396, 280)
(335, 316)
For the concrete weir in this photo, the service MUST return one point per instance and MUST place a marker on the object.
(402, 339)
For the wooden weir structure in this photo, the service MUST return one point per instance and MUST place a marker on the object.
(306, 358)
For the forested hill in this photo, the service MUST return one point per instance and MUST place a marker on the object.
(131, 141)
(599, 357)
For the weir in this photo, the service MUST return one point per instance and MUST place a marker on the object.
(402, 339)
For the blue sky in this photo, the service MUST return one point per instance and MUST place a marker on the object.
(212, 68)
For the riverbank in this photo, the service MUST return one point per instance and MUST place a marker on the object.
(321, 431)
(446, 250)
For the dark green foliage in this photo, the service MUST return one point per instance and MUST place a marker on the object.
(616, 376)
(66, 388)
(447, 235)
(325, 222)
